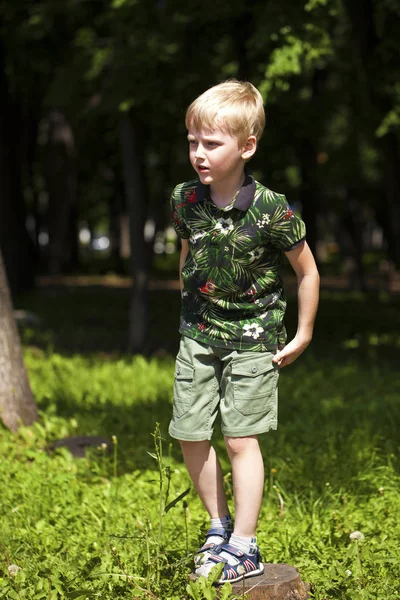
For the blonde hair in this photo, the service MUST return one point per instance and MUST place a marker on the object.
(233, 106)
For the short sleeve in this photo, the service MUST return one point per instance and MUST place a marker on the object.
(177, 203)
(287, 229)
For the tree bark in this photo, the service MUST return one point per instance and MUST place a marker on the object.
(17, 404)
(17, 249)
(309, 193)
(115, 212)
(135, 198)
(61, 185)
(375, 101)
(278, 582)
(391, 154)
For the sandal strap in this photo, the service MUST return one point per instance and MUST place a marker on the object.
(206, 547)
(215, 558)
(211, 545)
(217, 531)
(230, 550)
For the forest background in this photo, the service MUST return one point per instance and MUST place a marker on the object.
(92, 133)
(92, 141)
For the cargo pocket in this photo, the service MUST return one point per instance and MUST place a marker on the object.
(183, 384)
(254, 384)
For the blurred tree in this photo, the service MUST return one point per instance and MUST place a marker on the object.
(374, 45)
(15, 244)
(61, 182)
(122, 72)
(34, 44)
(16, 400)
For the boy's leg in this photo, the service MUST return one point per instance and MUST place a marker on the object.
(248, 407)
(196, 401)
(248, 482)
(241, 555)
(249, 401)
(205, 471)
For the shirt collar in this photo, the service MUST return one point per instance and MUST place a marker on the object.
(243, 199)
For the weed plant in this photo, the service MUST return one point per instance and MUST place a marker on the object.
(124, 522)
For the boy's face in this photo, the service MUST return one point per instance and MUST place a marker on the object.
(218, 157)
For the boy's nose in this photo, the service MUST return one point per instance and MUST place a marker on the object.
(199, 151)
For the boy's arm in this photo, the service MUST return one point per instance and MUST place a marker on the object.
(303, 263)
(184, 253)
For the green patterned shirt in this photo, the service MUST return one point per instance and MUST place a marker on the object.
(233, 295)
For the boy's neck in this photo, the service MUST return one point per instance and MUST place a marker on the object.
(223, 194)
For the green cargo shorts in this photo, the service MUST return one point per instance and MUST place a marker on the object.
(242, 385)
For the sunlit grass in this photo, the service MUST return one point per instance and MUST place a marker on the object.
(83, 528)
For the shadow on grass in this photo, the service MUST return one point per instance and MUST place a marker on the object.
(133, 427)
(339, 400)
(88, 319)
(84, 320)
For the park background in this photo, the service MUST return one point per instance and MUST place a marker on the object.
(92, 142)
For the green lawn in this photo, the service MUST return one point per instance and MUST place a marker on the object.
(97, 527)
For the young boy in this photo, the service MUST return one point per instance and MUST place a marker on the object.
(233, 231)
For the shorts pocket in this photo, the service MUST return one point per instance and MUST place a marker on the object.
(183, 385)
(254, 384)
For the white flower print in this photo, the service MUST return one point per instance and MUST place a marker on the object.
(263, 221)
(256, 254)
(194, 268)
(224, 225)
(197, 236)
(274, 298)
(252, 330)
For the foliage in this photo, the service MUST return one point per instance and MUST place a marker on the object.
(328, 70)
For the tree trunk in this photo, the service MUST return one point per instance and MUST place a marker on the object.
(17, 249)
(115, 212)
(72, 240)
(136, 203)
(242, 29)
(61, 186)
(375, 101)
(349, 234)
(391, 154)
(309, 194)
(16, 400)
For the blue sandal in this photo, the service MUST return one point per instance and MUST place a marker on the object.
(204, 553)
(246, 565)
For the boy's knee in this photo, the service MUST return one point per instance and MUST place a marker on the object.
(237, 445)
(194, 446)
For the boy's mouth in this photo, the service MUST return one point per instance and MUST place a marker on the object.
(202, 169)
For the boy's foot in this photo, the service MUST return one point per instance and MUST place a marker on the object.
(238, 565)
(214, 537)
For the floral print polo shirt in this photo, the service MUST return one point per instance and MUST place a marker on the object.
(233, 295)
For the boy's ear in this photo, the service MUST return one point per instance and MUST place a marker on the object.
(249, 147)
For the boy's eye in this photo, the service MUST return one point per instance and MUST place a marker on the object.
(192, 142)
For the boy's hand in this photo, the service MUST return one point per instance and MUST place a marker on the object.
(289, 353)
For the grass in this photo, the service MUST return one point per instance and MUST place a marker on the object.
(119, 524)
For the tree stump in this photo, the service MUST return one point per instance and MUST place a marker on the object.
(278, 582)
